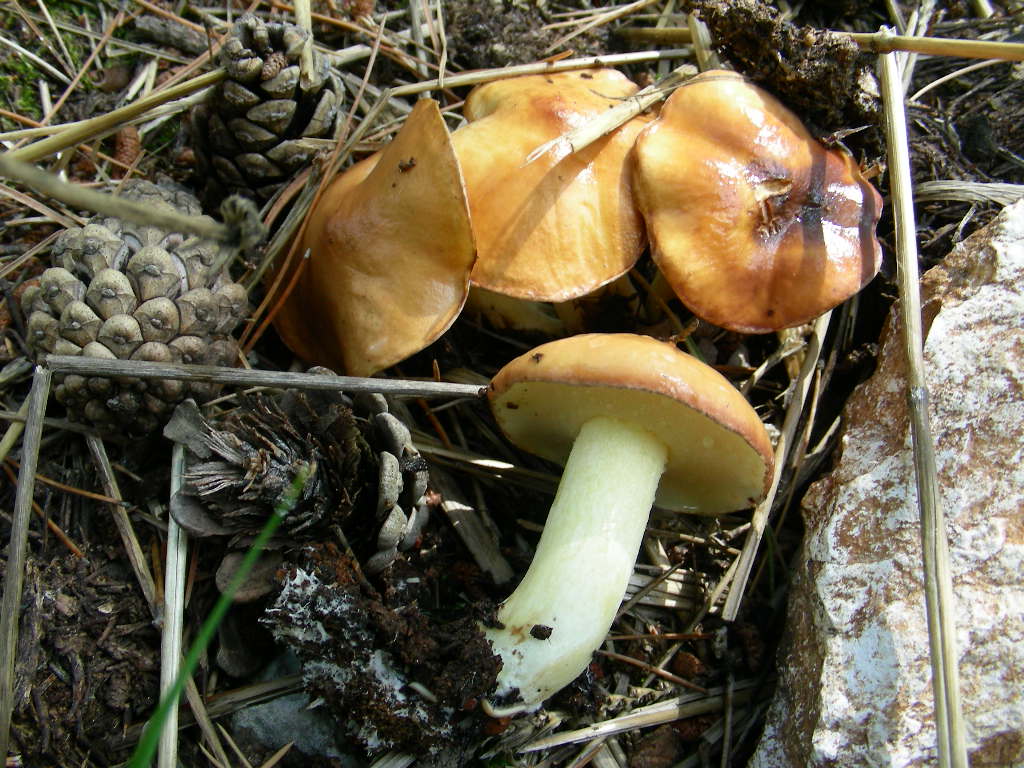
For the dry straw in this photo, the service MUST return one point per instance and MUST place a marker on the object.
(937, 579)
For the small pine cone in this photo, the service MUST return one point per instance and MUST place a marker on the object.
(248, 134)
(128, 291)
(366, 473)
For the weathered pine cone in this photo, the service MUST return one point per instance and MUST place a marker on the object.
(248, 135)
(134, 292)
(239, 466)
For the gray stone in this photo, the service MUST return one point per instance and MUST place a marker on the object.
(855, 680)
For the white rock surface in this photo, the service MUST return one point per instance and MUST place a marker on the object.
(855, 685)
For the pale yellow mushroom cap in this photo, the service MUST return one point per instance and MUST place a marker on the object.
(754, 223)
(719, 455)
(390, 253)
(564, 224)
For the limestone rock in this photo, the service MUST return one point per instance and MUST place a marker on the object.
(855, 684)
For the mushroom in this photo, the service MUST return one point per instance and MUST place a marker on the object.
(636, 422)
(755, 224)
(390, 252)
(564, 224)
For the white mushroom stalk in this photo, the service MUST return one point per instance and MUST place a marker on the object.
(566, 603)
(635, 422)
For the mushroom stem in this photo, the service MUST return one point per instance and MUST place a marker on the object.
(580, 571)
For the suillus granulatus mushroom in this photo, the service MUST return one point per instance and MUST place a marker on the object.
(390, 252)
(756, 225)
(636, 422)
(563, 225)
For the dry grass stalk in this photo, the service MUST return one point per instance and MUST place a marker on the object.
(15, 572)
(801, 386)
(604, 17)
(43, 517)
(87, 130)
(666, 711)
(952, 749)
(968, 192)
(700, 36)
(133, 549)
(538, 68)
(87, 366)
(878, 42)
(868, 41)
(580, 138)
(656, 671)
(174, 613)
(245, 230)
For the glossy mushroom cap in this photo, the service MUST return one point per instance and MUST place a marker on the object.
(564, 224)
(755, 224)
(390, 252)
(719, 454)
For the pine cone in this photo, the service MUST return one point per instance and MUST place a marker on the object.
(248, 133)
(239, 466)
(131, 291)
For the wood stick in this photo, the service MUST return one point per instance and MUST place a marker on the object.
(89, 366)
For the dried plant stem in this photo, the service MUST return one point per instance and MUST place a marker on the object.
(537, 68)
(307, 64)
(868, 41)
(877, 42)
(108, 33)
(666, 711)
(86, 130)
(592, 130)
(656, 671)
(394, 760)
(655, 35)
(801, 386)
(604, 17)
(14, 430)
(968, 192)
(78, 197)
(222, 704)
(43, 517)
(14, 576)
(133, 549)
(174, 611)
(700, 35)
(41, 63)
(938, 587)
(88, 366)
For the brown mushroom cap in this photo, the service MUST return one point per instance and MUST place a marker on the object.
(390, 252)
(564, 224)
(719, 455)
(755, 224)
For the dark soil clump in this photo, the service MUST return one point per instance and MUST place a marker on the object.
(85, 668)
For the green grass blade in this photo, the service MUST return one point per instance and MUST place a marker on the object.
(147, 746)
